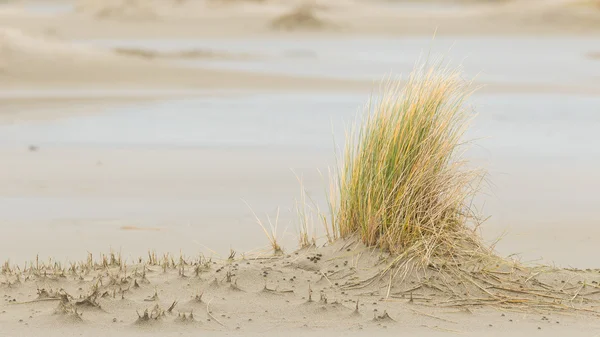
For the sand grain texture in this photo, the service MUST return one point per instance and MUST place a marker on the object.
(260, 293)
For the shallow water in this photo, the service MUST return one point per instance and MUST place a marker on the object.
(541, 152)
(530, 60)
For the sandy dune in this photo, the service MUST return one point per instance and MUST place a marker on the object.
(33, 61)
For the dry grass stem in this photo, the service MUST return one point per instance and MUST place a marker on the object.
(272, 232)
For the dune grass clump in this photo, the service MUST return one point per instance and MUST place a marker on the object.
(403, 186)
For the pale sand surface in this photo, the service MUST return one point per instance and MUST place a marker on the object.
(38, 62)
(30, 109)
(47, 100)
(308, 292)
(42, 62)
(105, 73)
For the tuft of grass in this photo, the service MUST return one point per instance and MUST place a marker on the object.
(306, 229)
(403, 185)
(272, 232)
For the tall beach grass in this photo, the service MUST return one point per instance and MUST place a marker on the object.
(403, 185)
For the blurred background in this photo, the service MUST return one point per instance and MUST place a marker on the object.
(139, 125)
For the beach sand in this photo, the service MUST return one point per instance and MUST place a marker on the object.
(308, 292)
(37, 62)
(50, 192)
(38, 53)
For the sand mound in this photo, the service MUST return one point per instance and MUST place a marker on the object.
(119, 9)
(593, 4)
(15, 43)
(67, 310)
(359, 286)
(303, 17)
(576, 14)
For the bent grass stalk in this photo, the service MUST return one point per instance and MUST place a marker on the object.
(272, 232)
(307, 232)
